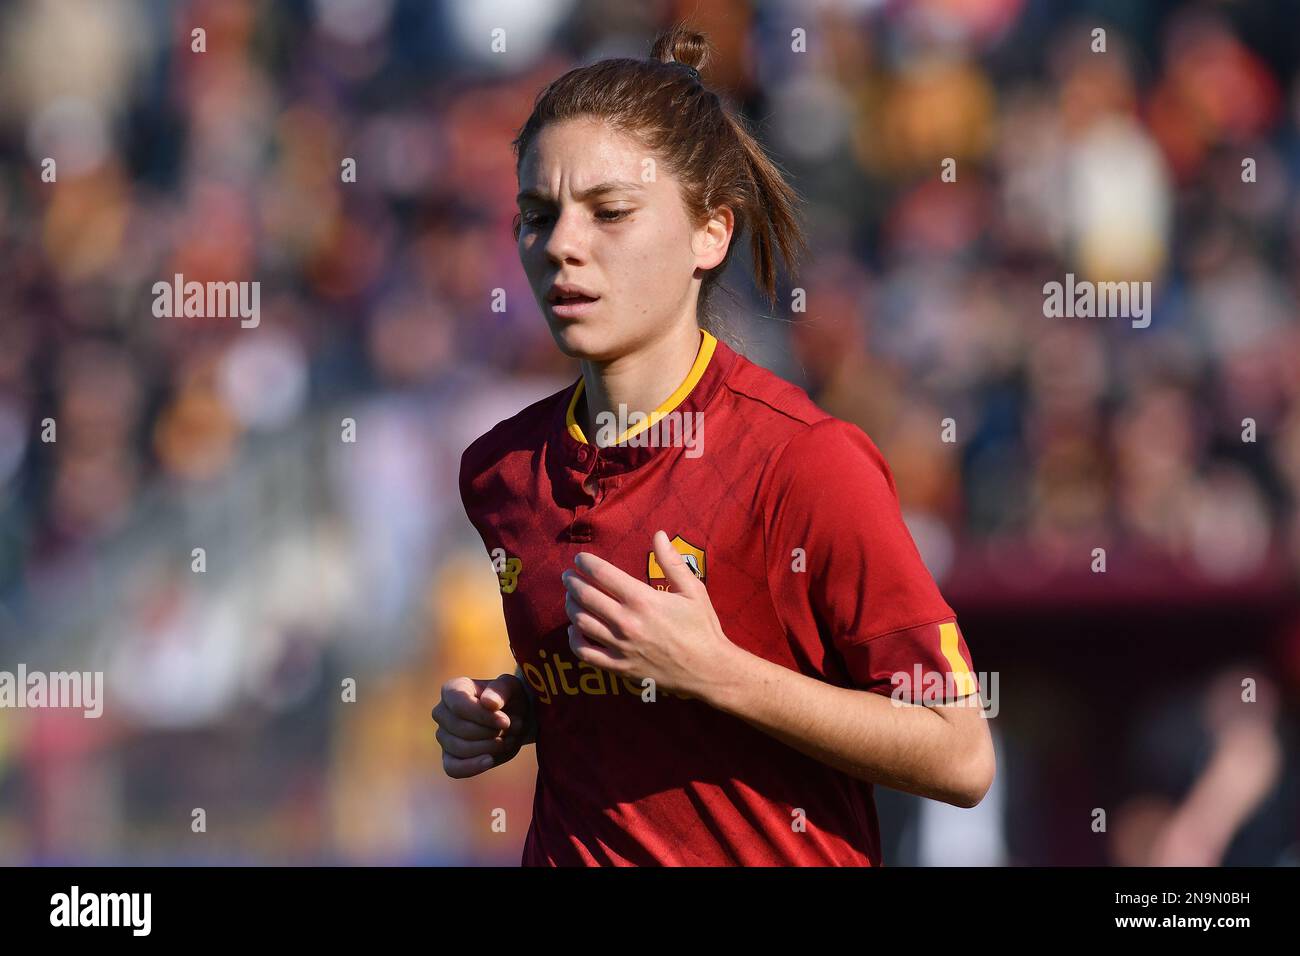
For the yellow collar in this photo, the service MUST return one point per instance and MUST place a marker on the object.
(707, 345)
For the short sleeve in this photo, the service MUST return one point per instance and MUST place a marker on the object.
(838, 552)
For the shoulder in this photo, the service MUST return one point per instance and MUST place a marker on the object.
(804, 442)
(523, 433)
(767, 399)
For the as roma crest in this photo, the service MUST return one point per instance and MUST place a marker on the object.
(693, 556)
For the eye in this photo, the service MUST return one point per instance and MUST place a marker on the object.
(535, 219)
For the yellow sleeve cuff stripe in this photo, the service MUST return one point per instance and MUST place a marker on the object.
(963, 679)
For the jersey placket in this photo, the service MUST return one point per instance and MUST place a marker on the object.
(580, 530)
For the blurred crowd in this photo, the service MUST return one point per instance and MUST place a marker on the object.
(1171, 155)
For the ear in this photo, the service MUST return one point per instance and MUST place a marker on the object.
(712, 240)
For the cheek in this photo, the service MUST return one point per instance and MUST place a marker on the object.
(533, 262)
(528, 251)
(656, 263)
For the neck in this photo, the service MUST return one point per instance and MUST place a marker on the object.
(640, 381)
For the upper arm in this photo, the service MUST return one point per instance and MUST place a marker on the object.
(864, 581)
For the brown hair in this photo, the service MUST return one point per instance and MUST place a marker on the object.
(709, 149)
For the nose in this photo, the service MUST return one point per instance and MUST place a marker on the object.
(567, 240)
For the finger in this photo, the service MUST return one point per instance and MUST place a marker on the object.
(461, 767)
(581, 595)
(460, 747)
(682, 578)
(460, 727)
(498, 693)
(593, 628)
(463, 701)
(592, 653)
(515, 733)
(614, 581)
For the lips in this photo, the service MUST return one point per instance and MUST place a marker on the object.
(574, 308)
(564, 293)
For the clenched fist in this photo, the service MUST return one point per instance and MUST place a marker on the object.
(482, 723)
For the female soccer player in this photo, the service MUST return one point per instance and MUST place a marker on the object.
(724, 632)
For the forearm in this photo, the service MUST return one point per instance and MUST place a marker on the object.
(866, 735)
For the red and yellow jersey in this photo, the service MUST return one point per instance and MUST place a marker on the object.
(791, 519)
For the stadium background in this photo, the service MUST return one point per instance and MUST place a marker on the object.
(328, 560)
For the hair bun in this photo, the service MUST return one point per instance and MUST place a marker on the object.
(685, 47)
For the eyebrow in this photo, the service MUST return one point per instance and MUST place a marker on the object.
(596, 190)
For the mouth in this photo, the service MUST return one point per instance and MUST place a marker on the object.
(573, 308)
(570, 301)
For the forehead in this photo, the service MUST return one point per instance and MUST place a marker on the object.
(582, 152)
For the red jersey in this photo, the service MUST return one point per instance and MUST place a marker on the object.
(791, 519)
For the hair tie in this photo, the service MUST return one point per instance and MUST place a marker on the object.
(695, 74)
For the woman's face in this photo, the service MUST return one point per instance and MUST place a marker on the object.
(600, 213)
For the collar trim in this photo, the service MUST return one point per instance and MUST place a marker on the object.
(708, 345)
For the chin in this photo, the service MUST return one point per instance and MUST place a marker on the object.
(581, 341)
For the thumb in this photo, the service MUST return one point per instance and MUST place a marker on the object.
(497, 693)
(682, 578)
